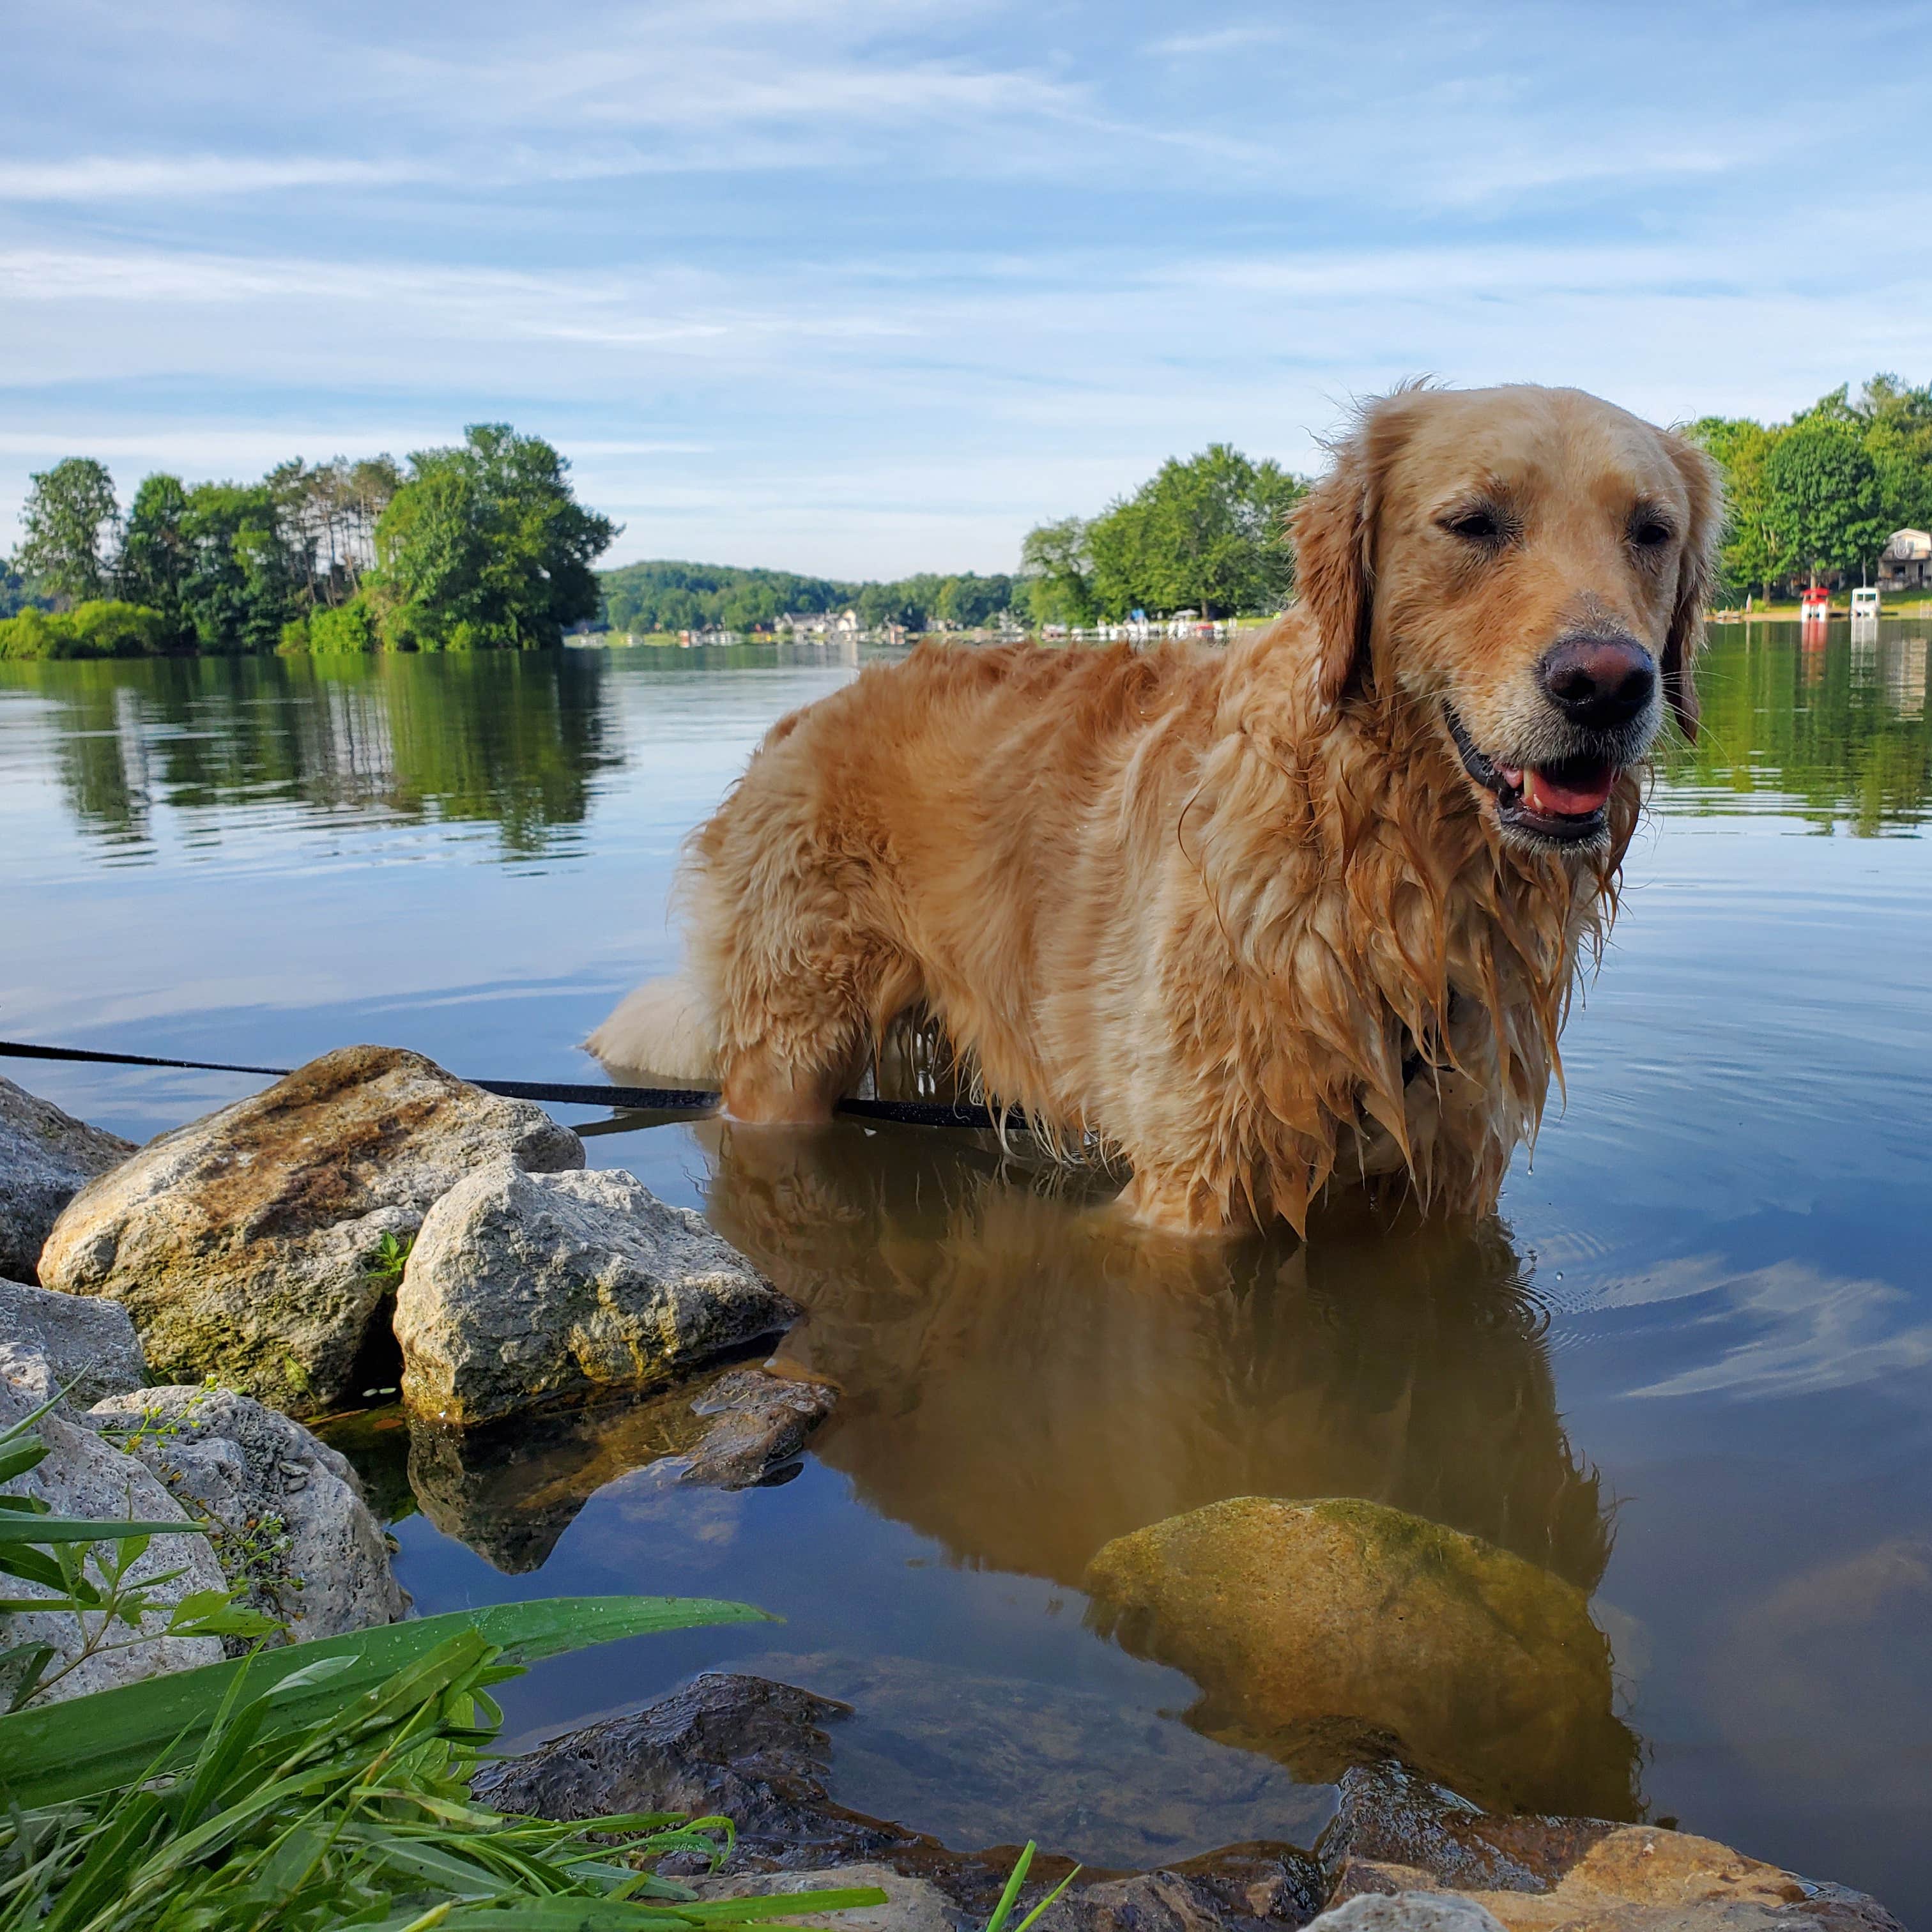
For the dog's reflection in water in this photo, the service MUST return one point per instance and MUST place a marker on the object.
(1024, 1376)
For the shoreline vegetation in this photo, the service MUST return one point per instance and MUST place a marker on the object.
(483, 545)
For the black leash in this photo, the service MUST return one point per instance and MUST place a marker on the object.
(626, 1100)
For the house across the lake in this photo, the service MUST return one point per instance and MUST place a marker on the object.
(821, 623)
(1905, 562)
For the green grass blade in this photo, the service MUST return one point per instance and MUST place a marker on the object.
(99, 1743)
(16, 1527)
(1009, 1898)
(1047, 1904)
(732, 1911)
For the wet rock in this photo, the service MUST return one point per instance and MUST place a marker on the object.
(83, 1476)
(1407, 1912)
(1396, 1834)
(757, 1751)
(77, 1343)
(1229, 1891)
(46, 1158)
(753, 1750)
(972, 1758)
(293, 1528)
(523, 1291)
(912, 1904)
(757, 1422)
(1392, 1815)
(1312, 1627)
(249, 1244)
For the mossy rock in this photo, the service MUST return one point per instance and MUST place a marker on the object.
(1315, 1626)
(252, 1244)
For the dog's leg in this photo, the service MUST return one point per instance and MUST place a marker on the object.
(759, 1090)
(1182, 1200)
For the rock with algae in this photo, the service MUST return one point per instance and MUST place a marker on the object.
(249, 1244)
(1312, 1626)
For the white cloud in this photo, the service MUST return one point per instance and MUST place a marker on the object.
(1818, 1332)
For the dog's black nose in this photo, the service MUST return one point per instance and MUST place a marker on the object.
(1600, 681)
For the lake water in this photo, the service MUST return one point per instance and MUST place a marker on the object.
(1687, 1368)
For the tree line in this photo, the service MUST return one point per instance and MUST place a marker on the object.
(668, 596)
(478, 545)
(1818, 497)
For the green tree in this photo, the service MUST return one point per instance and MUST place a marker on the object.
(485, 545)
(1823, 485)
(1209, 534)
(157, 556)
(1753, 557)
(242, 585)
(1057, 567)
(70, 521)
(1898, 436)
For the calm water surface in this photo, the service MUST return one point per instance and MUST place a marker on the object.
(1687, 1368)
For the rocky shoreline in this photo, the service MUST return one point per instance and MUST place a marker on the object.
(370, 1221)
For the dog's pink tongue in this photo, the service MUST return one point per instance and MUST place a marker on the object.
(1573, 796)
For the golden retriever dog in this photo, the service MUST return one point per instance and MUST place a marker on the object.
(1304, 910)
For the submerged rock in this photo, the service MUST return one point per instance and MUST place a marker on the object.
(756, 1423)
(46, 1158)
(83, 1476)
(757, 1752)
(293, 1529)
(1399, 1837)
(251, 1245)
(50, 1342)
(1313, 1627)
(525, 1290)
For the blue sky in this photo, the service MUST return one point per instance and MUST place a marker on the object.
(869, 288)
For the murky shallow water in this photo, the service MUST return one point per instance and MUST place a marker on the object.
(1687, 1369)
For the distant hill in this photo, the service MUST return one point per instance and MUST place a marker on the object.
(672, 596)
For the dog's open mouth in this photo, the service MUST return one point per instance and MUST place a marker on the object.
(1564, 801)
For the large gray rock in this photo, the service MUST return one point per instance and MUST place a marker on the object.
(46, 1158)
(247, 1245)
(50, 1342)
(83, 1476)
(523, 1290)
(293, 1528)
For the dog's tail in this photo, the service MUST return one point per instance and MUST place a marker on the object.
(664, 1027)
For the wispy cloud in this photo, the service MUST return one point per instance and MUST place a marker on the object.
(1817, 1332)
(1221, 39)
(94, 178)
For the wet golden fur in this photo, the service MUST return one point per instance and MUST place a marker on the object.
(1240, 915)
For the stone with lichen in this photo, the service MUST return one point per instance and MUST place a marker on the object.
(251, 1244)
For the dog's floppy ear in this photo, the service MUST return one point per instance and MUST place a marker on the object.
(1334, 528)
(1697, 579)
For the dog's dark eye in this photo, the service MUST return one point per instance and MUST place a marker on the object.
(1479, 524)
(1649, 532)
